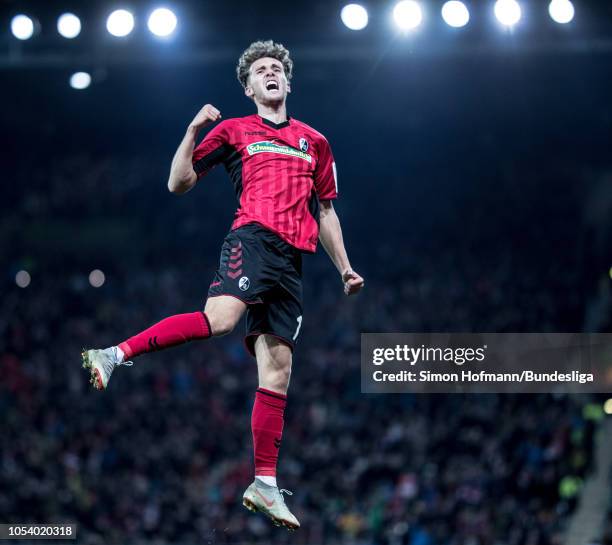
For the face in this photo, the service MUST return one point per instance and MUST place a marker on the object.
(267, 82)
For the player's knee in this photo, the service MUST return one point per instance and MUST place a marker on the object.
(278, 378)
(221, 324)
(223, 313)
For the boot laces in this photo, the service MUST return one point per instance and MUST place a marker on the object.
(128, 363)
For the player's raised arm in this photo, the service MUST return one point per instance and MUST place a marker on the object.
(182, 175)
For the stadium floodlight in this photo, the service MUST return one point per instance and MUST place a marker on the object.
(561, 11)
(22, 27)
(120, 23)
(69, 25)
(407, 14)
(455, 13)
(354, 16)
(80, 80)
(162, 22)
(508, 12)
(97, 278)
(22, 279)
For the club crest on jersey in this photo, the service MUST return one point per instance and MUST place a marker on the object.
(271, 147)
(244, 283)
(304, 144)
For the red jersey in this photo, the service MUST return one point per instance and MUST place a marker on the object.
(280, 173)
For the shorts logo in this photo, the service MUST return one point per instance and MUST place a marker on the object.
(244, 283)
(304, 144)
(271, 147)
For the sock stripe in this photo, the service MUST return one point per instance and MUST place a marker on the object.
(207, 321)
(272, 394)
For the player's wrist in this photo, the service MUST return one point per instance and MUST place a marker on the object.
(193, 129)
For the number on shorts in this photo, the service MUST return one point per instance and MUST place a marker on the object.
(297, 331)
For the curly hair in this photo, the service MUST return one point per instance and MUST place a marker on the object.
(259, 50)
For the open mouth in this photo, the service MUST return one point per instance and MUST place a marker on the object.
(272, 85)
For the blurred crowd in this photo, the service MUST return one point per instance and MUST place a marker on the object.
(164, 455)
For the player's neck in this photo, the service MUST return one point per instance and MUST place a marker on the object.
(275, 113)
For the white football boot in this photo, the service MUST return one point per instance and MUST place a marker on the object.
(269, 501)
(101, 364)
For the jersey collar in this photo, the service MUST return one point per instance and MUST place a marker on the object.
(274, 125)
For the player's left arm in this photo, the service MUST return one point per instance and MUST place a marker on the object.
(330, 232)
(330, 235)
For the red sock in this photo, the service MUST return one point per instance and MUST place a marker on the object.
(177, 329)
(267, 425)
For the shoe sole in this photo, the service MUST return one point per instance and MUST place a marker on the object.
(277, 522)
(95, 378)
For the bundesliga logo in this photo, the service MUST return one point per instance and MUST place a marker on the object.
(244, 283)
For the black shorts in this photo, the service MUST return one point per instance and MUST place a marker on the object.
(265, 272)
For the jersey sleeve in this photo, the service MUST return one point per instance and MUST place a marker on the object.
(325, 176)
(212, 150)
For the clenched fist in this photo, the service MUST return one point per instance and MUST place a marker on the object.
(208, 114)
(353, 283)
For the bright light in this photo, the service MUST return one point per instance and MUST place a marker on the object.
(69, 25)
(22, 279)
(162, 22)
(22, 27)
(455, 14)
(120, 23)
(607, 407)
(407, 14)
(80, 80)
(354, 16)
(508, 12)
(561, 11)
(96, 278)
